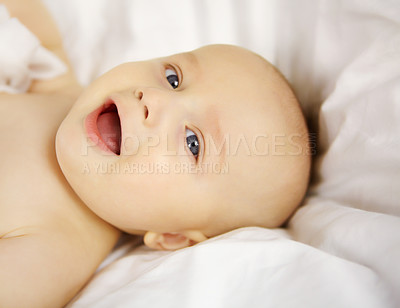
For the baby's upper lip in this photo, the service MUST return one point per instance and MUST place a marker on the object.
(129, 117)
(119, 102)
(109, 127)
(103, 126)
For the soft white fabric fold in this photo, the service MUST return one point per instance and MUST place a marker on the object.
(22, 57)
(249, 267)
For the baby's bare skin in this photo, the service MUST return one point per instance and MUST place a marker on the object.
(219, 95)
(50, 242)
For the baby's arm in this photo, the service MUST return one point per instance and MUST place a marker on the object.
(34, 15)
(39, 269)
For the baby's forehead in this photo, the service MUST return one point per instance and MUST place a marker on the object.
(239, 85)
(229, 58)
(225, 52)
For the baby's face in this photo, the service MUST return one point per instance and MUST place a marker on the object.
(186, 142)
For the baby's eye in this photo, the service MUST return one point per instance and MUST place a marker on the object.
(192, 142)
(172, 77)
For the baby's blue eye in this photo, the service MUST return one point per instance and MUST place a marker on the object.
(172, 77)
(192, 142)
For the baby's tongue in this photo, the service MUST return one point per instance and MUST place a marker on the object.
(110, 130)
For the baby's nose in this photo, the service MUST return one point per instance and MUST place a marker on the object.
(139, 95)
(153, 102)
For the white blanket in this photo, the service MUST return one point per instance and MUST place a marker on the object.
(22, 57)
(342, 248)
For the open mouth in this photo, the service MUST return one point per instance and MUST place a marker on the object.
(104, 127)
(109, 127)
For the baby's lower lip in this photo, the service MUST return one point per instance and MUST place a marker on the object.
(92, 130)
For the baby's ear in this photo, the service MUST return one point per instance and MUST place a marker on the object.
(173, 240)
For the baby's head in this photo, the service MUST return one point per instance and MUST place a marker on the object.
(187, 147)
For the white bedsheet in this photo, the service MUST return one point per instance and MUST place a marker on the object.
(22, 57)
(342, 248)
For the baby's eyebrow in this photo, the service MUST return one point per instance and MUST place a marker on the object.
(191, 59)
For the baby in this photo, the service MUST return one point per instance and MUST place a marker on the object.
(177, 149)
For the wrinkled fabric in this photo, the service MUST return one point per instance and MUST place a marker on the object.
(22, 58)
